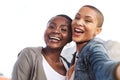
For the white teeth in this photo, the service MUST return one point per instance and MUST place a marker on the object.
(79, 30)
(56, 38)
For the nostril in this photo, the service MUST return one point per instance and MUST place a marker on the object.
(56, 31)
(79, 22)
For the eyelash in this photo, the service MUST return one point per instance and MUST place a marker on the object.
(62, 29)
(87, 21)
(51, 27)
(77, 18)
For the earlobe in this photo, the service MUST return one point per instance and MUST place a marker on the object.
(98, 30)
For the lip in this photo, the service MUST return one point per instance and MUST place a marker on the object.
(78, 31)
(54, 38)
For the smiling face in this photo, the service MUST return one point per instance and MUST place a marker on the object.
(58, 32)
(85, 25)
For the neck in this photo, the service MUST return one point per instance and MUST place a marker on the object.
(51, 54)
(80, 46)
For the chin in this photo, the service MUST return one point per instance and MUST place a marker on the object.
(54, 46)
(76, 39)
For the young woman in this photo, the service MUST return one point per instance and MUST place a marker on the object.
(45, 63)
(91, 61)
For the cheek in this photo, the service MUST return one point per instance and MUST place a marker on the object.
(73, 22)
(92, 32)
(46, 33)
(66, 37)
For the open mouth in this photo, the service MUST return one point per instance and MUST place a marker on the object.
(77, 30)
(54, 39)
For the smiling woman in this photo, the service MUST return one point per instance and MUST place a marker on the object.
(45, 63)
(22, 21)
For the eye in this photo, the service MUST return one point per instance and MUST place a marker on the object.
(77, 17)
(64, 29)
(51, 26)
(88, 21)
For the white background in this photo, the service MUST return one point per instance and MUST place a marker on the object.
(22, 24)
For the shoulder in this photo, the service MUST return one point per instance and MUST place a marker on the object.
(96, 42)
(96, 45)
(30, 51)
(28, 55)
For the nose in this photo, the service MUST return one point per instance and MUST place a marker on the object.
(57, 30)
(80, 22)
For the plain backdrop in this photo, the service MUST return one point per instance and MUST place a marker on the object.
(22, 24)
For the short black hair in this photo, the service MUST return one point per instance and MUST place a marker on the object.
(100, 14)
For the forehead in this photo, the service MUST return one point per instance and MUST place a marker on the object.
(88, 12)
(59, 19)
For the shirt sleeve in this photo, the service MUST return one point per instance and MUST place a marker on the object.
(22, 67)
(102, 65)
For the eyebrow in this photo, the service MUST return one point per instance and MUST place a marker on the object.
(88, 17)
(56, 24)
(64, 25)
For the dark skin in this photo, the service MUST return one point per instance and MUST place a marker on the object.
(56, 37)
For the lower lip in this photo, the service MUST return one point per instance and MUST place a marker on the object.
(77, 34)
(55, 41)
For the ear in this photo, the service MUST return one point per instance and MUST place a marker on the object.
(98, 30)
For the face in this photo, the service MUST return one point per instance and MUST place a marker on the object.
(85, 25)
(57, 33)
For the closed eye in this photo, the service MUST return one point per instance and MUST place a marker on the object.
(63, 29)
(88, 21)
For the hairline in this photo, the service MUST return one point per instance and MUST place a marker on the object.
(100, 16)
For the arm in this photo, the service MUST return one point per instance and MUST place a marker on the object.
(117, 72)
(102, 65)
(21, 70)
